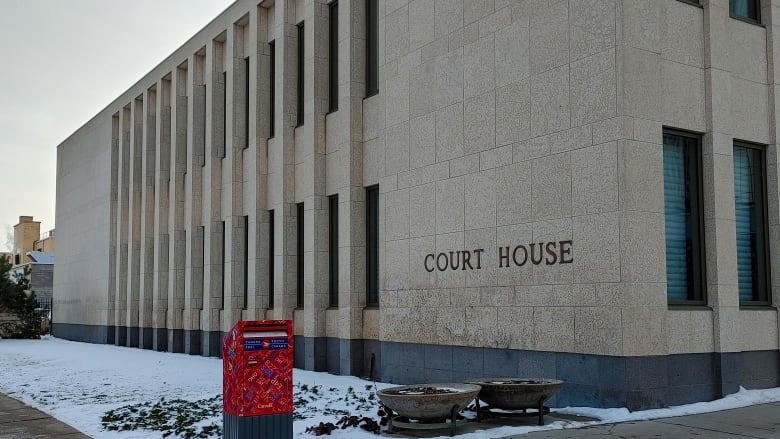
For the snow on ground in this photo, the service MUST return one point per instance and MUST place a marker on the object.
(79, 382)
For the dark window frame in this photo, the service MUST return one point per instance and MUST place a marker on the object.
(271, 259)
(748, 18)
(372, 246)
(222, 266)
(762, 297)
(272, 88)
(333, 251)
(300, 236)
(697, 296)
(245, 220)
(372, 48)
(333, 57)
(223, 76)
(246, 102)
(696, 3)
(300, 76)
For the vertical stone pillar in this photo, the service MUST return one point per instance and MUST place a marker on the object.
(352, 297)
(196, 138)
(233, 175)
(281, 162)
(135, 239)
(256, 163)
(213, 279)
(310, 186)
(113, 249)
(641, 201)
(162, 207)
(148, 170)
(123, 220)
(718, 183)
(178, 251)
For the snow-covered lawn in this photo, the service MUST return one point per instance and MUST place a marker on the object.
(79, 382)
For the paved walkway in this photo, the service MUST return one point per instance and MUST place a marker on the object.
(755, 422)
(18, 421)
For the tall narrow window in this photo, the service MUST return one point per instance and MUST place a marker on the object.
(246, 260)
(333, 58)
(301, 54)
(333, 251)
(246, 102)
(746, 9)
(372, 48)
(750, 211)
(683, 219)
(223, 77)
(222, 267)
(372, 246)
(299, 257)
(270, 259)
(272, 87)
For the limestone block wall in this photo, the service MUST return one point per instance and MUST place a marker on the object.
(501, 129)
(695, 68)
(81, 276)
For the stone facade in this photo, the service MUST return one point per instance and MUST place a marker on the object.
(518, 151)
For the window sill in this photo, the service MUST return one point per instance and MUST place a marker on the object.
(747, 20)
(692, 3)
(757, 307)
(332, 308)
(689, 307)
(372, 307)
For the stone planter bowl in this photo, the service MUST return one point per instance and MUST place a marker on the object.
(516, 393)
(428, 407)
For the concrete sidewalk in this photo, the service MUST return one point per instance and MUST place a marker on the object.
(758, 421)
(18, 421)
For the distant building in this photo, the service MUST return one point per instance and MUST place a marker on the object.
(442, 189)
(33, 254)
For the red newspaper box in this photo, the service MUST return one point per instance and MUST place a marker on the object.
(257, 363)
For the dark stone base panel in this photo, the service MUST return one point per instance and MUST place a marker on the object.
(133, 337)
(591, 380)
(176, 340)
(111, 339)
(192, 342)
(350, 357)
(212, 343)
(751, 370)
(121, 335)
(298, 352)
(160, 340)
(84, 333)
(147, 338)
(333, 355)
(315, 356)
(257, 427)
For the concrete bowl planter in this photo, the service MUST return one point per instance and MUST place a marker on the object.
(428, 402)
(516, 393)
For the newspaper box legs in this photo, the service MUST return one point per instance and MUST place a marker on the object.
(257, 362)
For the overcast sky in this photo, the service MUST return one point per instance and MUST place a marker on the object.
(61, 62)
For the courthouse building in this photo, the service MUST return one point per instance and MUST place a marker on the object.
(436, 190)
